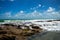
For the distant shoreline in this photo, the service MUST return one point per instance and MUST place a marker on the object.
(2, 20)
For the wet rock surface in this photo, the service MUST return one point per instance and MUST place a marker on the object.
(24, 32)
(10, 32)
(50, 35)
(7, 38)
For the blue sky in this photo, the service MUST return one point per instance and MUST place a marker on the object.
(29, 9)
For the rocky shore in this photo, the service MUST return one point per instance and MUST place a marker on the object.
(18, 32)
(27, 30)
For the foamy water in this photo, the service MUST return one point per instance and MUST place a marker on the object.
(49, 26)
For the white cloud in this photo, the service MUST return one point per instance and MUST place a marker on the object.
(33, 8)
(8, 14)
(49, 13)
(22, 14)
(21, 11)
(36, 7)
(52, 13)
(50, 9)
(11, 0)
(35, 13)
(39, 5)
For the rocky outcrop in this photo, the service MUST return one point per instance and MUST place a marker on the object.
(14, 32)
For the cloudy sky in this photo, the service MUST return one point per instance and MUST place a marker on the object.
(29, 9)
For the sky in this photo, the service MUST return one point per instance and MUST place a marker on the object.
(29, 9)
